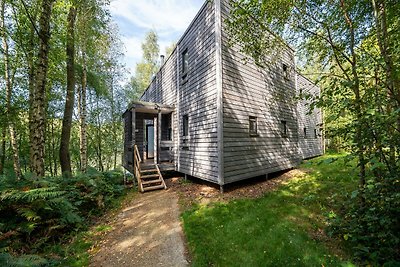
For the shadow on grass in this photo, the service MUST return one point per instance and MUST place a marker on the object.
(275, 230)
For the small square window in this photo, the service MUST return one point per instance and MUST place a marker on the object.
(305, 133)
(185, 64)
(284, 130)
(185, 121)
(252, 125)
(285, 70)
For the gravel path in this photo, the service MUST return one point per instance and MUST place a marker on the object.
(146, 233)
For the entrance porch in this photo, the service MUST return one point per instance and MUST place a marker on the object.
(149, 143)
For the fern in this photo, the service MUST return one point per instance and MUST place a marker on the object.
(22, 261)
(29, 214)
(31, 195)
(44, 211)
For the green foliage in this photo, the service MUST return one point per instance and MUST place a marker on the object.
(351, 49)
(22, 261)
(283, 228)
(372, 230)
(149, 64)
(37, 213)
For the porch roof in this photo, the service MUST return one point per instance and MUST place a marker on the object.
(149, 107)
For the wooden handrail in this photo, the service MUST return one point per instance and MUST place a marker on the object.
(137, 160)
(161, 177)
(137, 153)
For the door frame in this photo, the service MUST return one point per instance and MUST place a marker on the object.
(147, 141)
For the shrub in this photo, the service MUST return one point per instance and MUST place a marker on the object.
(35, 213)
(372, 228)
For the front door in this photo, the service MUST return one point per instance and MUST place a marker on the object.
(150, 141)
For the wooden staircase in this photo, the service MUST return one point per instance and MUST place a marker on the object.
(148, 175)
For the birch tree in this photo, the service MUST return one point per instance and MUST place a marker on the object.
(38, 103)
(9, 89)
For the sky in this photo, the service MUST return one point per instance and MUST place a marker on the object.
(168, 18)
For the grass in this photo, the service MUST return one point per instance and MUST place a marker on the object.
(283, 228)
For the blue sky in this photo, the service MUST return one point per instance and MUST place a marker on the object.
(169, 18)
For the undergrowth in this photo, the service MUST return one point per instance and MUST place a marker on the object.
(39, 215)
(313, 219)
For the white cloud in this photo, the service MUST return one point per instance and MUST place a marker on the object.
(133, 52)
(169, 18)
(133, 47)
(163, 15)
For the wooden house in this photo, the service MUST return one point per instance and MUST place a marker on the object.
(210, 115)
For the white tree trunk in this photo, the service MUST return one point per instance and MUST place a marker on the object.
(82, 116)
(13, 134)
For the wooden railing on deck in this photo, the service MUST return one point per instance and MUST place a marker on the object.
(136, 161)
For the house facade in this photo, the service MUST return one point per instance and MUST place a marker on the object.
(211, 114)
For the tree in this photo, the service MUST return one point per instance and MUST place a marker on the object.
(169, 49)
(65, 159)
(360, 59)
(38, 103)
(9, 85)
(149, 64)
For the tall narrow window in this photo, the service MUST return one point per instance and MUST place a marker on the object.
(252, 126)
(285, 70)
(315, 134)
(185, 121)
(185, 64)
(284, 131)
(305, 133)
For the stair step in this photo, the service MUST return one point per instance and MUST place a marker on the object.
(150, 176)
(151, 182)
(148, 171)
(153, 188)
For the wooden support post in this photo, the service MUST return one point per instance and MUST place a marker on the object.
(133, 123)
(266, 177)
(185, 177)
(221, 189)
(159, 136)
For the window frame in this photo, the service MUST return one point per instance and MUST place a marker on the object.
(285, 71)
(184, 65)
(185, 126)
(253, 121)
(284, 130)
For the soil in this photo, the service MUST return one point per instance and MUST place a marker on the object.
(147, 232)
(195, 191)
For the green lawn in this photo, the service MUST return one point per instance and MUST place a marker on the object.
(283, 228)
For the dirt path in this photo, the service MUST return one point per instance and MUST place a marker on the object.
(146, 233)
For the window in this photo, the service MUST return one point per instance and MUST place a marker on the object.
(185, 121)
(284, 130)
(315, 134)
(285, 70)
(185, 65)
(305, 133)
(252, 126)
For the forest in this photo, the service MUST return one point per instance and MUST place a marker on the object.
(61, 101)
(62, 96)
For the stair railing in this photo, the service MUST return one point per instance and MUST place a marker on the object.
(137, 160)
(161, 177)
